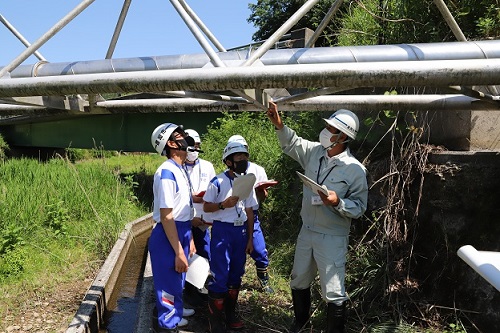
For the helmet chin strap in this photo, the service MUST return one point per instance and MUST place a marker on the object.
(181, 147)
(190, 146)
(336, 142)
(236, 175)
(194, 149)
(188, 149)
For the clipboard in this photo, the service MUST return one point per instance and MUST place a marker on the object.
(265, 184)
(198, 271)
(243, 186)
(315, 187)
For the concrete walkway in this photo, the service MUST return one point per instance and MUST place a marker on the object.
(146, 319)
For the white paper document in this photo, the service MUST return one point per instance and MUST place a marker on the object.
(315, 187)
(243, 186)
(198, 271)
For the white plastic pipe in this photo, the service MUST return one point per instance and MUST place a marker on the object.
(486, 263)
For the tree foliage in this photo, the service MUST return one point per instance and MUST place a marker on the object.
(371, 22)
(269, 15)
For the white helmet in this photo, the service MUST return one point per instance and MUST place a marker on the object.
(238, 138)
(192, 133)
(233, 148)
(345, 121)
(161, 135)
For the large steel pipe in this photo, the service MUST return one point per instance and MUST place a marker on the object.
(321, 103)
(425, 73)
(345, 54)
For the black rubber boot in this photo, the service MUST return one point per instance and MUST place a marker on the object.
(263, 276)
(301, 308)
(216, 312)
(335, 319)
(233, 318)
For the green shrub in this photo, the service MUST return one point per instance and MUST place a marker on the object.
(12, 237)
(57, 217)
(489, 25)
(3, 148)
(76, 154)
(98, 152)
(12, 263)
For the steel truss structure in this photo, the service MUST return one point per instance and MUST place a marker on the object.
(439, 76)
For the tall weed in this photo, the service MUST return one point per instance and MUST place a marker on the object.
(60, 202)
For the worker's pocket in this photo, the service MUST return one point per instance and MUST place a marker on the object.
(333, 249)
(339, 250)
(341, 187)
(340, 262)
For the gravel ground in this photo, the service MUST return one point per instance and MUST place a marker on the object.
(47, 313)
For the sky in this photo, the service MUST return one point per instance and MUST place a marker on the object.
(151, 28)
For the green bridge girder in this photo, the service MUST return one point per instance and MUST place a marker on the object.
(122, 132)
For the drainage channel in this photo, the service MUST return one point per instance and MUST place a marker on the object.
(122, 310)
(121, 297)
(112, 301)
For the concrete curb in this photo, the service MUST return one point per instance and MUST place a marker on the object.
(146, 321)
(90, 315)
(147, 302)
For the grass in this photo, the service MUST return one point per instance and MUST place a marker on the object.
(58, 222)
(128, 163)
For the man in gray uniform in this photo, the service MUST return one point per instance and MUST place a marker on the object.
(326, 219)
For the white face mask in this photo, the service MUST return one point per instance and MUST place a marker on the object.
(192, 156)
(325, 137)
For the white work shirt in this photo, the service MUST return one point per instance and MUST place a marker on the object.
(344, 174)
(221, 188)
(171, 190)
(200, 173)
